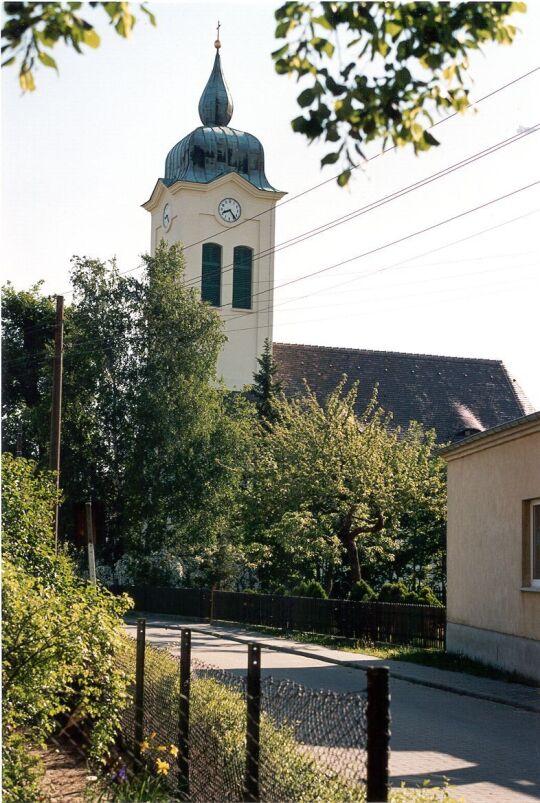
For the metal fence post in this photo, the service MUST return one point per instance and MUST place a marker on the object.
(139, 686)
(183, 723)
(378, 733)
(253, 722)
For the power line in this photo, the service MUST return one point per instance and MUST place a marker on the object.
(374, 204)
(421, 281)
(390, 148)
(502, 287)
(365, 209)
(333, 178)
(71, 351)
(367, 274)
(389, 244)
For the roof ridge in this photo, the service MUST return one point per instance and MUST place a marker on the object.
(397, 353)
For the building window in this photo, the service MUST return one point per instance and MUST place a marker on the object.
(242, 277)
(535, 543)
(211, 274)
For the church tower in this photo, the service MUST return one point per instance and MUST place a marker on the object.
(216, 200)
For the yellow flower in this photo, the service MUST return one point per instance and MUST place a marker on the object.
(153, 735)
(161, 748)
(145, 745)
(173, 751)
(162, 767)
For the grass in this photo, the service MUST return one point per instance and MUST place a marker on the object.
(426, 656)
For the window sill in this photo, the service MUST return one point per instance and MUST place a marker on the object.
(533, 589)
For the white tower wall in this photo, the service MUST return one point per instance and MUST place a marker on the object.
(194, 220)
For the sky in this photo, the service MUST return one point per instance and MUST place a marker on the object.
(82, 153)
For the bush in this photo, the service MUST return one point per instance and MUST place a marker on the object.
(426, 596)
(59, 637)
(310, 588)
(394, 592)
(362, 592)
(398, 592)
(162, 568)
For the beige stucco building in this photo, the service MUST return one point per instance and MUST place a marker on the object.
(493, 600)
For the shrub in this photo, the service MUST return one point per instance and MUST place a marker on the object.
(426, 596)
(398, 592)
(362, 592)
(160, 568)
(59, 636)
(394, 592)
(310, 588)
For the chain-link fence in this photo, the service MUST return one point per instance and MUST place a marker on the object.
(218, 735)
(192, 731)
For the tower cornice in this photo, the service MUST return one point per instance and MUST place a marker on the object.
(160, 189)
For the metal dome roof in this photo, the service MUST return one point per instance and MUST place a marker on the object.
(213, 151)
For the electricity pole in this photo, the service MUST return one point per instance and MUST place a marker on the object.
(90, 543)
(56, 411)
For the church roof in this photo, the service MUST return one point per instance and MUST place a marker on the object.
(214, 149)
(456, 396)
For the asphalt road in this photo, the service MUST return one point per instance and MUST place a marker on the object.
(489, 752)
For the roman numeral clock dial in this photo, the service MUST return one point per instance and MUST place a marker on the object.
(229, 210)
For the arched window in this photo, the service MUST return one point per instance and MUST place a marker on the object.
(242, 277)
(211, 274)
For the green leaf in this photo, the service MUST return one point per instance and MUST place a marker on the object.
(91, 38)
(26, 80)
(306, 97)
(283, 28)
(280, 52)
(47, 60)
(393, 29)
(343, 178)
(403, 77)
(149, 14)
(124, 26)
(330, 159)
(323, 21)
(430, 139)
(328, 48)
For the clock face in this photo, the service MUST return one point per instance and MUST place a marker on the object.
(167, 217)
(229, 210)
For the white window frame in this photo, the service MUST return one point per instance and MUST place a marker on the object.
(535, 505)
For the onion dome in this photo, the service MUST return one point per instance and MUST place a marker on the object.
(216, 106)
(214, 149)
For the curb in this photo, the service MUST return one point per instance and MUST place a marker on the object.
(491, 698)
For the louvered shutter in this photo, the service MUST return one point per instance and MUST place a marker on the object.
(211, 274)
(242, 277)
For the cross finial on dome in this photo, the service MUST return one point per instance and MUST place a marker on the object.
(217, 43)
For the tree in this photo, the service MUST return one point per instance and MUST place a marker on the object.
(329, 488)
(381, 70)
(31, 30)
(191, 437)
(28, 320)
(148, 433)
(266, 388)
